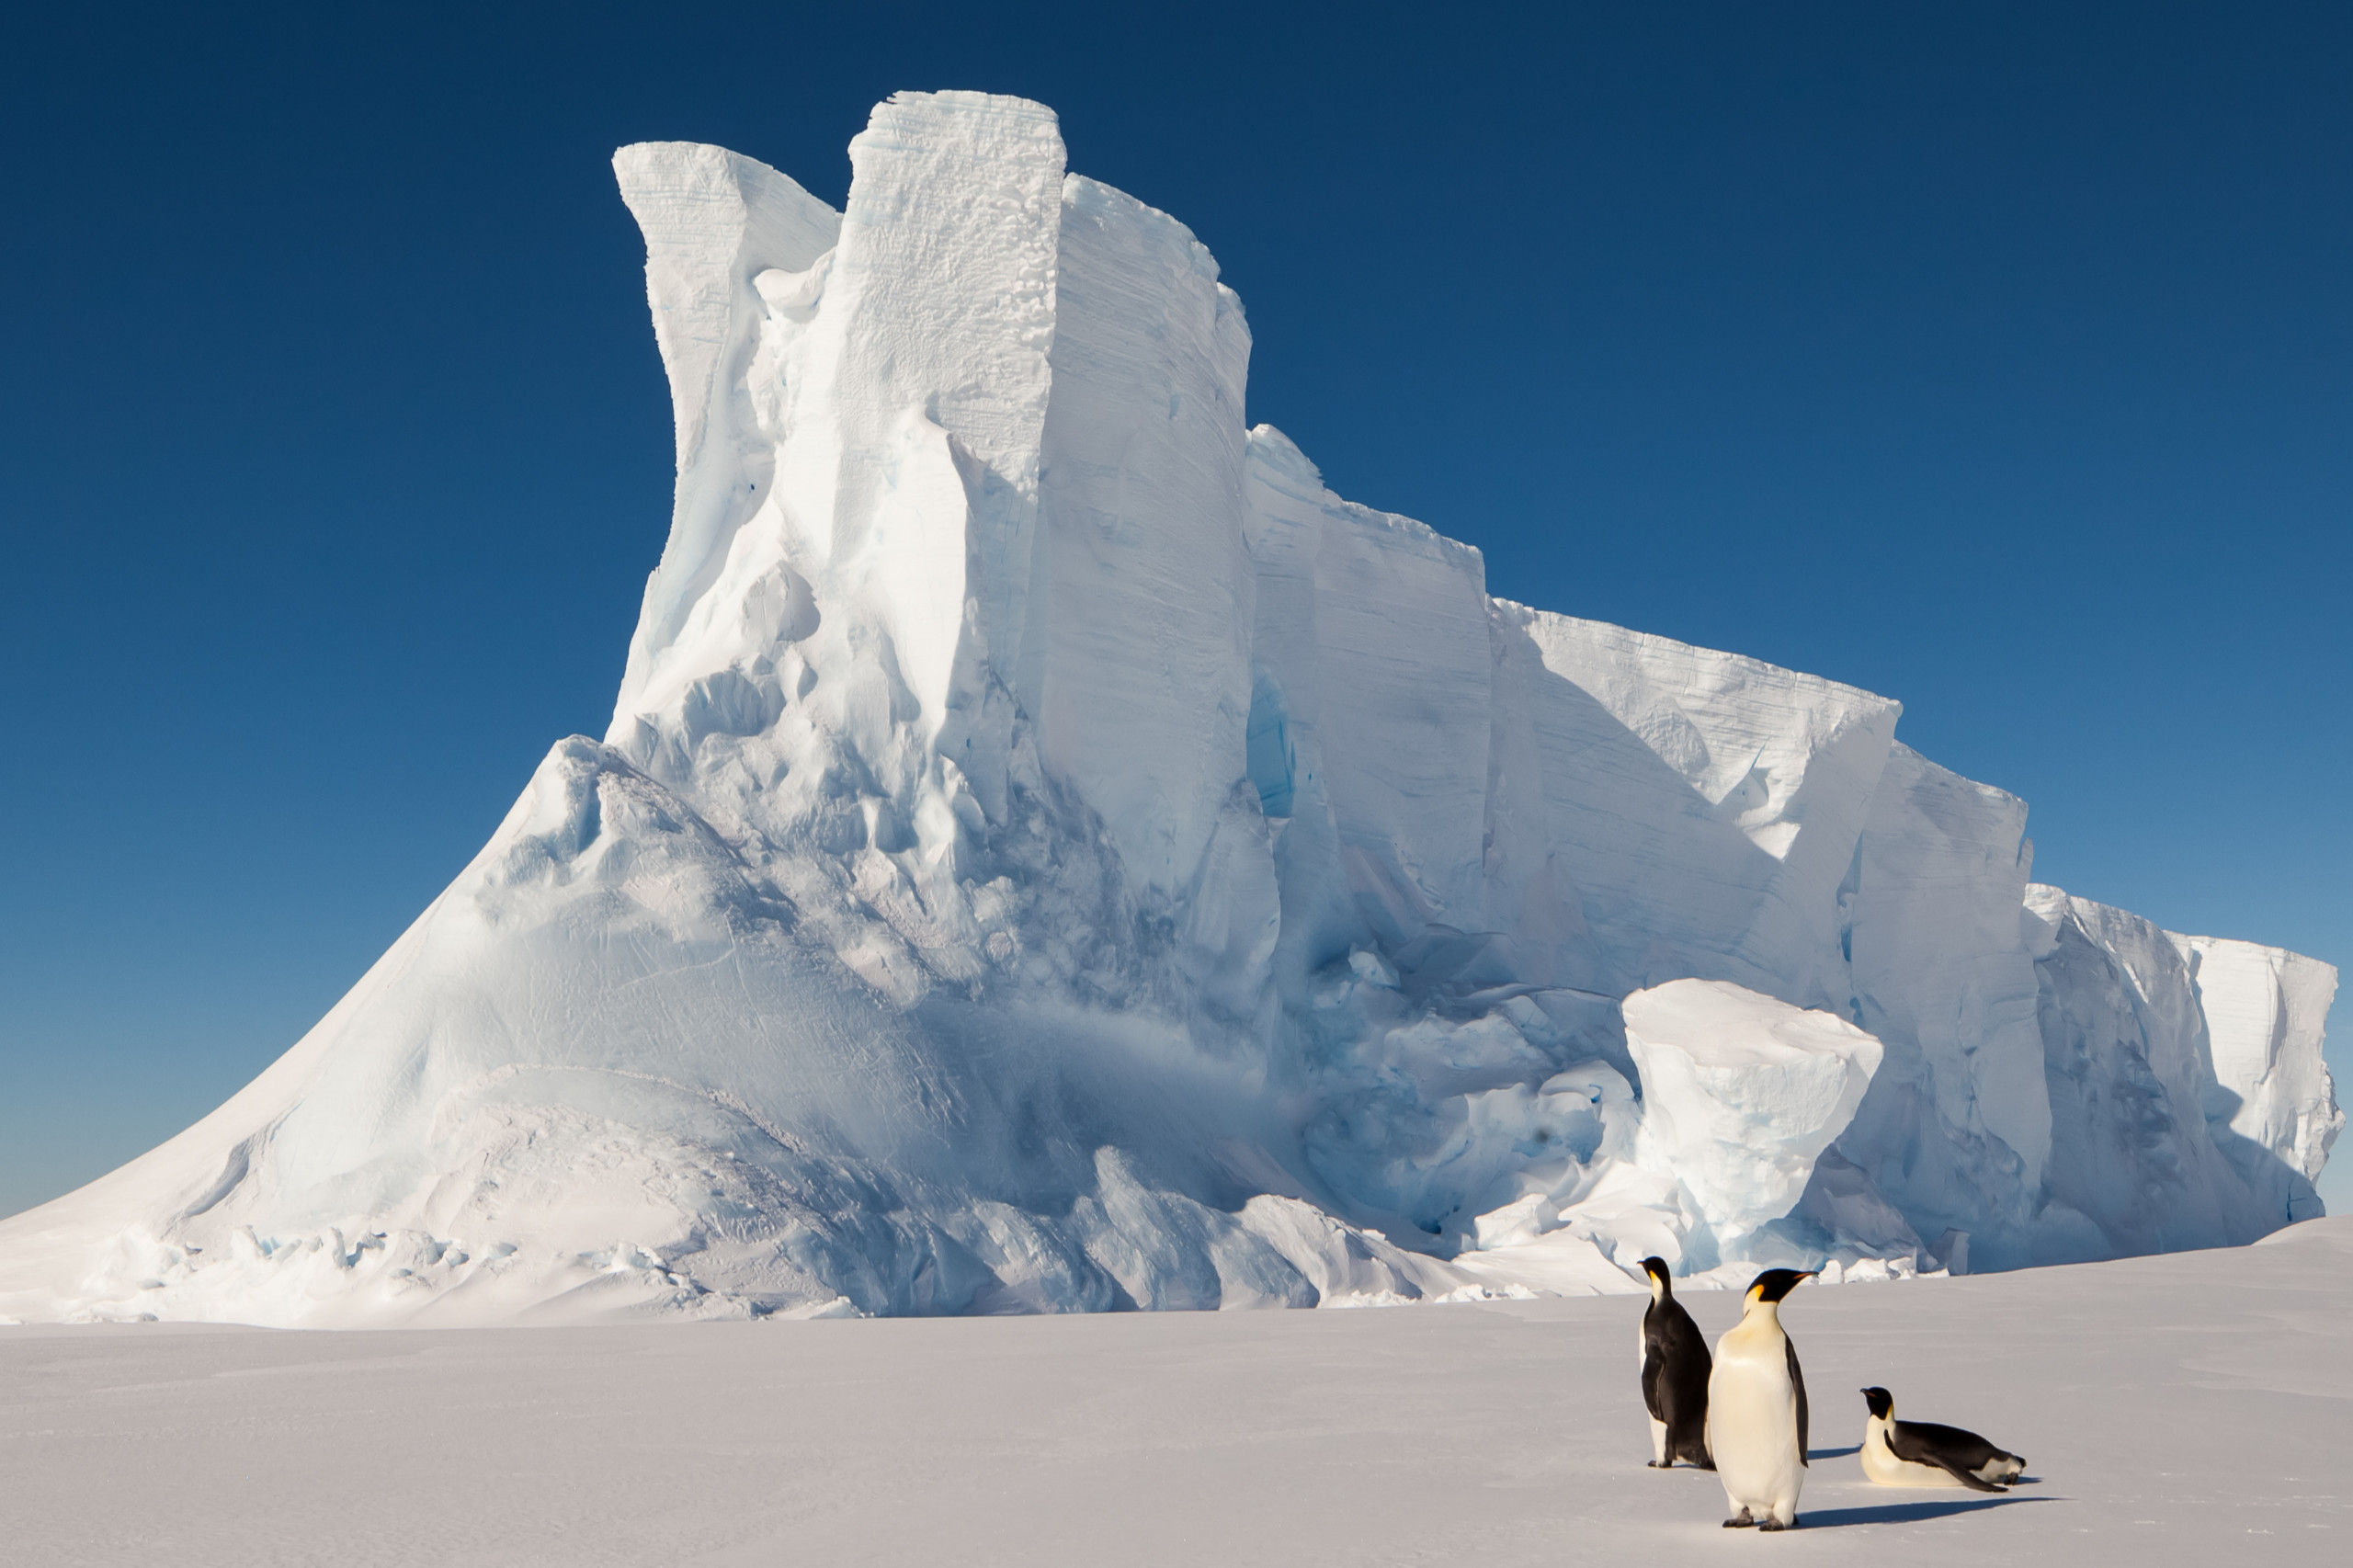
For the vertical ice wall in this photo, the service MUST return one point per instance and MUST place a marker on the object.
(1140, 690)
(929, 353)
(2264, 1010)
(1941, 972)
(1703, 806)
(2147, 1151)
(1374, 645)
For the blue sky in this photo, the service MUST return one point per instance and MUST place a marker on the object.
(1996, 359)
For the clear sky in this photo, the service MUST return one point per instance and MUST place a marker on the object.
(1995, 358)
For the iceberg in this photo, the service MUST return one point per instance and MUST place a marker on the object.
(1050, 853)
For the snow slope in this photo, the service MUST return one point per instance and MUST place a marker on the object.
(2194, 1408)
(1050, 853)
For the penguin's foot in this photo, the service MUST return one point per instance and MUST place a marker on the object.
(1741, 1521)
(1769, 1522)
(1703, 1464)
(1658, 1464)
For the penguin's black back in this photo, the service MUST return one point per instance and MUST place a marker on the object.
(1930, 1442)
(1676, 1365)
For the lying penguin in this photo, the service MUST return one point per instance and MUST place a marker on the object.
(1756, 1414)
(1673, 1358)
(1922, 1453)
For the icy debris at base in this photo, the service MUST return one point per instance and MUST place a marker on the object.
(1050, 853)
(1742, 1094)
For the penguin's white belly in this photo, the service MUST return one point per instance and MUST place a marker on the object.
(1752, 1427)
(1880, 1464)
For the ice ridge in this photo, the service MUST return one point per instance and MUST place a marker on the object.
(1050, 853)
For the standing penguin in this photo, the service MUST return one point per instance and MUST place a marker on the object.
(1923, 1453)
(1756, 1414)
(1673, 1358)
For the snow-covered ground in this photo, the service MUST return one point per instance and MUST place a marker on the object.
(2190, 1408)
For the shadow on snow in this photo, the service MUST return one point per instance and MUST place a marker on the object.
(1906, 1513)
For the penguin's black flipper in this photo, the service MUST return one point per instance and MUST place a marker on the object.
(1684, 1388)
(1950, 1468)
(1797, 1382)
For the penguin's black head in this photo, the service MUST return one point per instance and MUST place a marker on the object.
(1776, 1283)
(1881, 1400)
(1656, 1268)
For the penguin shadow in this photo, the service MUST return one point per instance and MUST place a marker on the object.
(1908, 1513)
(1813, 1454)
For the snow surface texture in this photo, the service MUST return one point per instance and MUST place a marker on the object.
(1052, 854)
(2189, 1409)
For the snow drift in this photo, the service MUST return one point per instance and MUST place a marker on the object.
(1050, 853)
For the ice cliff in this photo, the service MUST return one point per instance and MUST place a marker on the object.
(1050, 853)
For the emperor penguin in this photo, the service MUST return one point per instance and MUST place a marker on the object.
(1922, 1453)
(1756, 1414)
(1674, 1359)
